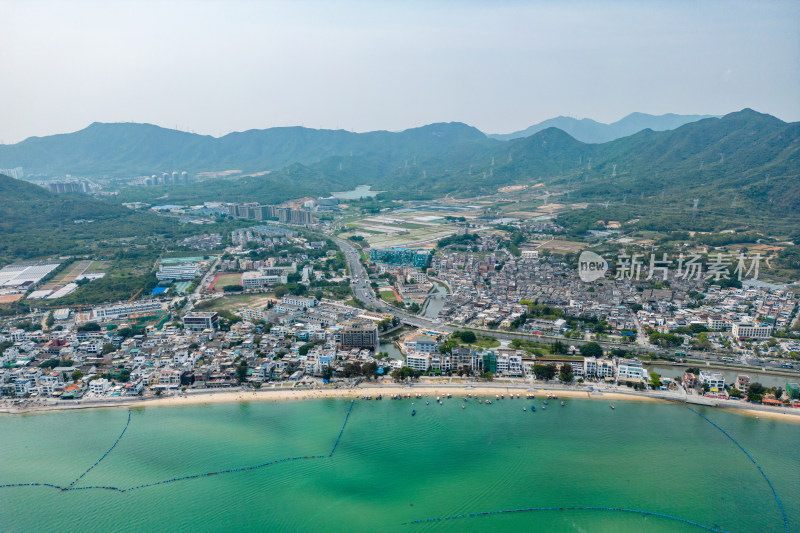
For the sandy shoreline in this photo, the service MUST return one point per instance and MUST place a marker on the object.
(208, 397)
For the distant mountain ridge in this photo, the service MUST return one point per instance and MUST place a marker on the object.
(743, 161)
(131, 149)
(590, 131)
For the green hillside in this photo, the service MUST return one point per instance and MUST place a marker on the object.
(35, 223)
(144, 149)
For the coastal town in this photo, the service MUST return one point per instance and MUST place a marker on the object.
(286, 305)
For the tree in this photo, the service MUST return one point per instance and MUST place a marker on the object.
(756, 389)
(566, 375)
(370, 370)
(50, 320)
(466, 336)
(76, 375)
(559, 347)
(241, 371)
(735, 393)
(327, 373)
(108, 348)
(655, 380)
(89, 326)
(546, 372)
(591, 349)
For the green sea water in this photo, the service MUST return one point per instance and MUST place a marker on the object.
(390, 469)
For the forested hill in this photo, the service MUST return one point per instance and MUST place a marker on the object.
(142, 149)
(35, 222)
(590, 131)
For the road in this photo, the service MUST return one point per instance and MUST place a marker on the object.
(196, 294)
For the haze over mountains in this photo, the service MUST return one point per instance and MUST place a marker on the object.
(744, 160)
(130, 148)
(590, 131)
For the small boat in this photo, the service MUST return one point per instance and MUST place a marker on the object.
(612, 407)
(562, 404)
(533, 408)
(427, 402)
(496, 396)
(480, 401)
(437, 398)
(502, 397)
(413, 412)
(463, 406)
(449, 395)
(544, 407)
(545, 402)
(524, 409)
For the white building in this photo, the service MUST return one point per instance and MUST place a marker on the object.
(748, 330)
(605, 368)
(630, 369)
(99, 386)
(120, 310)
(257, 279)
(418, 361)
(300, 301)
(715, 380)
(590, 367)
(423, 343)
(173, 272)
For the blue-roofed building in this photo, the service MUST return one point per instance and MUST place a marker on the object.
(400, 256)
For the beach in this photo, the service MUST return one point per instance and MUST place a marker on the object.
(426, 390)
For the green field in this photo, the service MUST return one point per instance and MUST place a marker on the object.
(388, 296)
(228, 280)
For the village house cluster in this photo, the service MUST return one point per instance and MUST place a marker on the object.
(295, 338)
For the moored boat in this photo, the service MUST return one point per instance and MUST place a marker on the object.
(413, 412)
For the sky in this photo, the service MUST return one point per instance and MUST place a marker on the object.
(215, 67)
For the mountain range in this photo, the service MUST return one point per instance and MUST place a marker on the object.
(743, 162)
(590, 131)
(126, 149)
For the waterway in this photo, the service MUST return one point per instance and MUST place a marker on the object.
(390, 469)
(361, 191)
(435, 301)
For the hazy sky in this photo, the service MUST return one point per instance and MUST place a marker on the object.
(216, 67)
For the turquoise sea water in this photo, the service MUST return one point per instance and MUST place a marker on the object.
(390, 469)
